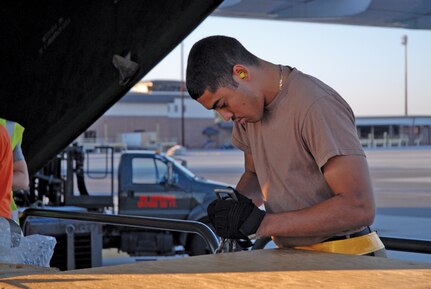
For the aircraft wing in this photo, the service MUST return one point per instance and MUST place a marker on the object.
(411, 14)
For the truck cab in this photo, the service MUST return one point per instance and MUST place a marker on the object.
(156, 185)
(152, 184)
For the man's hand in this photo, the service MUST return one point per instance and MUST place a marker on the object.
(235, 220)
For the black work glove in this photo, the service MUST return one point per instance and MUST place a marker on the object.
(235, 220)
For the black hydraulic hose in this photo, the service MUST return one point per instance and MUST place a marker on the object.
(132, 221)
(407, 245)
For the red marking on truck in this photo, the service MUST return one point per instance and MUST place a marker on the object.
(163, 202)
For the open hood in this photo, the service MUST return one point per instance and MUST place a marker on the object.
(64, 63)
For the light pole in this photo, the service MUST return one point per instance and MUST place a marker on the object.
(182, 94)
(404, 42)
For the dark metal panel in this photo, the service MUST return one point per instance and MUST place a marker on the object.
(57, 76)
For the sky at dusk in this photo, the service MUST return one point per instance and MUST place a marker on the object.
(364, 64)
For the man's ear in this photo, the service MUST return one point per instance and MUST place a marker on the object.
(240, 71)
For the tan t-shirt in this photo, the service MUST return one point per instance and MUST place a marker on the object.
(305, 125)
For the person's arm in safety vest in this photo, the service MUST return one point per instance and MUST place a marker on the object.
(21, 179)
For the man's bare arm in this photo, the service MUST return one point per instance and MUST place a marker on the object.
(20, 175)
(352, 206)
(248, 184)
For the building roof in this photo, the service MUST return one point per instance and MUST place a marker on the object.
(371, 120)
(393, 120)
(153, 97)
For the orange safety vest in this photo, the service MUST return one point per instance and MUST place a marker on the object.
(15, 131)
(6, 174)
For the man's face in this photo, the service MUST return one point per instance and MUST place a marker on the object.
(239, 104)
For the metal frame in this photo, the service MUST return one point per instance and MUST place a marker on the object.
(86, 200)
(184, 226)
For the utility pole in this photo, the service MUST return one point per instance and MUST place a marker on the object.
(182, 94)
(404, 42)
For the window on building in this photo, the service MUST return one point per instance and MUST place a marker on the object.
(380, 131)
(395, 130)
(90, 134)
(364, 131)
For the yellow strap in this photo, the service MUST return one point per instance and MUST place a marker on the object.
(354, 246)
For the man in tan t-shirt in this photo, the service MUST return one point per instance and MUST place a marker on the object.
(303, 158)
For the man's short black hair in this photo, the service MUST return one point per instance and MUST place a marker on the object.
(210, 64)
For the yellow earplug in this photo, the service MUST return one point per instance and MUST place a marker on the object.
(242, 75)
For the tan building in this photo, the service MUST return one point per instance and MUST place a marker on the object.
(150, 114)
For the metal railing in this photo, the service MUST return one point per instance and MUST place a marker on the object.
(394, 244)
(131, 221)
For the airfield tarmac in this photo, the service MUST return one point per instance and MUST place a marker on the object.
(401, 178)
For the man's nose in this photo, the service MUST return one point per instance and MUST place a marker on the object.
(225, 114)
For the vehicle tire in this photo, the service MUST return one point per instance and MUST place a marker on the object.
(198, 246)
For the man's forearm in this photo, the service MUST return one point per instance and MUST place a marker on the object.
(248, 185)
(333, 216)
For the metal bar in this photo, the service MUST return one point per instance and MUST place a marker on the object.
(132, 221)
(68, 186)
(407, 245)
(108, 168)
(70, 243)
(112, 172)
